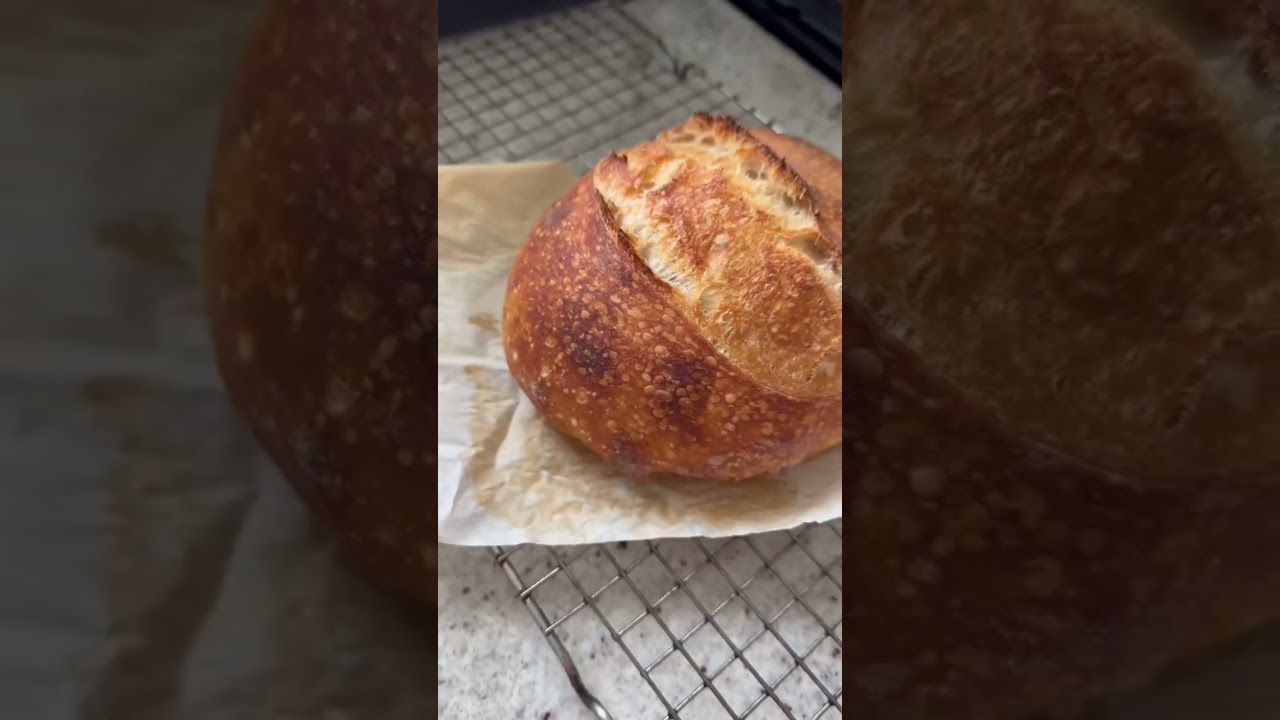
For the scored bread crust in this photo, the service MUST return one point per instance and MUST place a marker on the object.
(679, 310)
(320, 268)
(1063, 410)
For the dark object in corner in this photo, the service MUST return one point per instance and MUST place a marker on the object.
(461, 17)
(811, 28)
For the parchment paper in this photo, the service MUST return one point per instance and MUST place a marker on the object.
(505, 476)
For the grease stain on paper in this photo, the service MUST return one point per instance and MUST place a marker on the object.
(485, 322)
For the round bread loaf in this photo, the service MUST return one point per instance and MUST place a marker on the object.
(1062, 235)
(320, 267)
(679, 310)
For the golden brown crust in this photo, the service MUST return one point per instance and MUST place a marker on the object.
(1058, 221)
(678, 311)
(320, 266)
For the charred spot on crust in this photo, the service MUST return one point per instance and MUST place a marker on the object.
(590, 358)
(684, 405)
(588, 342)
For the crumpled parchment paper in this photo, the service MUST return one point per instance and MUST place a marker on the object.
(505, 476)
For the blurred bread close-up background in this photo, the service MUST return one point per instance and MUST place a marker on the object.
(1061, 225)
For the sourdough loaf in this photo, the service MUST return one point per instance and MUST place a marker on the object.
(679, 310)
(1061, 235)
(320, 267)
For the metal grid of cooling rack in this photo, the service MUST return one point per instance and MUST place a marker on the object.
(736, 628)
(568, 87)
(726, 628)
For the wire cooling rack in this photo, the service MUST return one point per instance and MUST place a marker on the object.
(702, 629)
(568, 87)
(727, 628)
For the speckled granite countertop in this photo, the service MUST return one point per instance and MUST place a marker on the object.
(494, 664)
